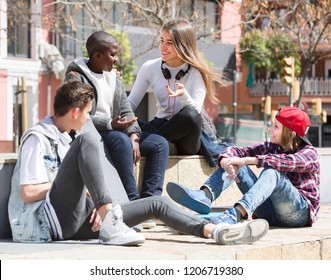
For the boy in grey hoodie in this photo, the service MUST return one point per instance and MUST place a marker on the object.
(114, 119)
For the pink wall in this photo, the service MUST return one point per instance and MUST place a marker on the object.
(43, 76)
(230, 25)
(43, 87)
(230, 34)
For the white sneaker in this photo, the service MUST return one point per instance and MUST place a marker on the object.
(115, 232)
(242, 233)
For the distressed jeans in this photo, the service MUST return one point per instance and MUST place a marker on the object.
(271, 196)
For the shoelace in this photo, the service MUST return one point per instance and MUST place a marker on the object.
(120, 225)
(226, 215)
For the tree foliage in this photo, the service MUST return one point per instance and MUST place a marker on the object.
(306, 22)
(266, 50)
(125, 62)
(70, 22)
(149, 15)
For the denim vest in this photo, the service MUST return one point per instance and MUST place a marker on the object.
(28, 220)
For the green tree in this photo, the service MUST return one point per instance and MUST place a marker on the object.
(254, 50)
(306, 22)
(125, 64)
(265, 50)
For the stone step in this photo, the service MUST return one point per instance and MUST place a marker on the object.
(191, 171)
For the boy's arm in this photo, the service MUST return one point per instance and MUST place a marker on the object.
(33, 193)
(34, 182)
(238, 161)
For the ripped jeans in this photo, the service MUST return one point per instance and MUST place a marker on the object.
(271, 196)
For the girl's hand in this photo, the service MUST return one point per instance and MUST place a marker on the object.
(225, 162)
(179, 92)
(231, 168)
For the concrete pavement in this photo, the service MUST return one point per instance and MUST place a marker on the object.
(162, 244)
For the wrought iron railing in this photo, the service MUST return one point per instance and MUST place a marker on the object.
(274, 87)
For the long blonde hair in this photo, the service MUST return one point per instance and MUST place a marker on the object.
(185, 45)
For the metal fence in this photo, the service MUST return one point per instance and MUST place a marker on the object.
(312, 86)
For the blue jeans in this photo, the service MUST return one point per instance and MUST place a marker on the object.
(152, 146)
(271, 196)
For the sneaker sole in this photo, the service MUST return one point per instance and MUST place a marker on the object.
(128, 243)
(179, 195)
(243, 233)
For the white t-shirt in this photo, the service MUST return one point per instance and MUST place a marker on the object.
(150, 75)
(34, 172)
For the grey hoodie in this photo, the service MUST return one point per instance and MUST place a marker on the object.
(121, 105)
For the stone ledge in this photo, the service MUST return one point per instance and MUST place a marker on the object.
(8, 158)
(191, 171)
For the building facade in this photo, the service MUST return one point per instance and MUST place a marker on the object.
(38, 38)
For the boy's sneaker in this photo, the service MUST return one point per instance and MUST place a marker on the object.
(115, 232)
(195, 200)
(241, 233)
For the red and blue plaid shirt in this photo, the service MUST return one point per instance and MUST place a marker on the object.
(301, 167)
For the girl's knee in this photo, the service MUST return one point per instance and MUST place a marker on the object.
(270, 172)
(191, 115)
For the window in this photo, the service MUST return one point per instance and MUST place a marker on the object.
(18, 30)
(203, 12)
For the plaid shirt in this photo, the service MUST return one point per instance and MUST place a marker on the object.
(302, 167)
